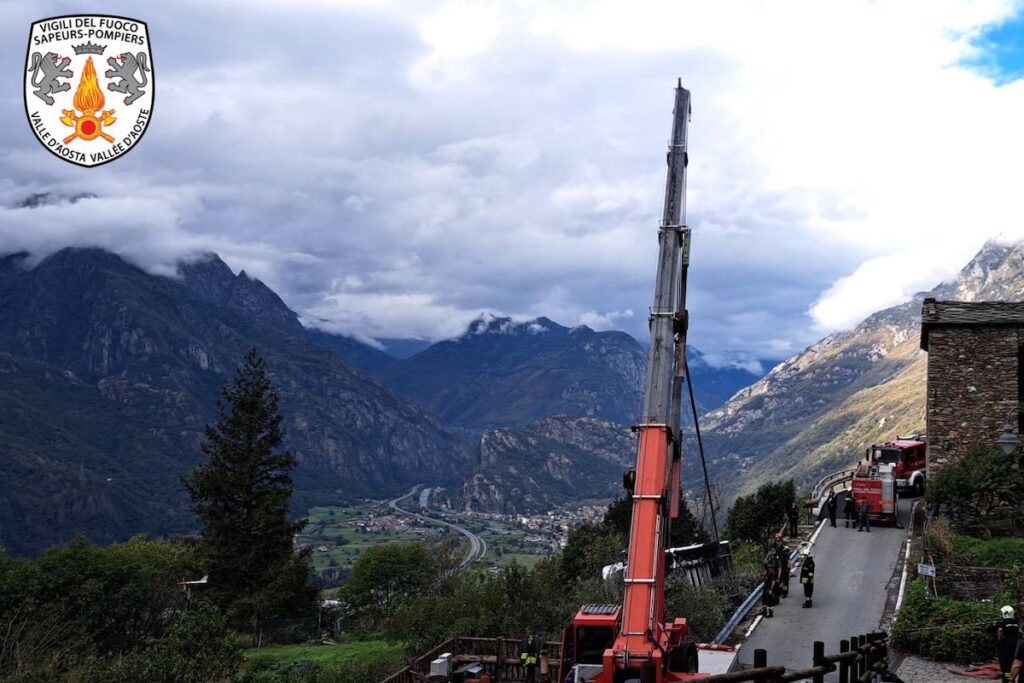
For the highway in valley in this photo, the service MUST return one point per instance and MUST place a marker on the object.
(477, 546)
(853, 571)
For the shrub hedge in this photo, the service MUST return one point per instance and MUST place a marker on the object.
(946, 629)
(990, 552)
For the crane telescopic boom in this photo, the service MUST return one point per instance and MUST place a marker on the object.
(633, 643)
(644, 639)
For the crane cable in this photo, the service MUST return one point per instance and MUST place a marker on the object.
(700, 446)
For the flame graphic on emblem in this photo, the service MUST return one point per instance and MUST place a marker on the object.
(88, 100)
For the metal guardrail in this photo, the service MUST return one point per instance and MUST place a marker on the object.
(748, 604)
(745, 607)
(830, 480)
(738, 616)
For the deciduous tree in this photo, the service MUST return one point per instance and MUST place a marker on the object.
(755, 518)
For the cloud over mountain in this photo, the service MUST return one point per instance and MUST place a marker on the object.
(395, 170)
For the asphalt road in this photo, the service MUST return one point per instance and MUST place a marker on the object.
(477, 547)
(852, 570)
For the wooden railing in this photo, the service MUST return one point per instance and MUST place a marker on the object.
(499, 656)
(861, 659)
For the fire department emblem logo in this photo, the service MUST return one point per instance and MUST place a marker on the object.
(89, 86)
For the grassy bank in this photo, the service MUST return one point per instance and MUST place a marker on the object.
(351, 662)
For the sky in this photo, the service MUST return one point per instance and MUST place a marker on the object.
(393, 169)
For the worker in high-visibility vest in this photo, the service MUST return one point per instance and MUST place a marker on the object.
(807, 576)
(530, 651)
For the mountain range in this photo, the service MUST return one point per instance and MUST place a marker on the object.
(108, 375)
(818, 411)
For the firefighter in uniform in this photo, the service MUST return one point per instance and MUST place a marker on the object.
(830, 505)
(769, 594)
(807, 576)
(530, 651)
(1018, 660)
(863, 510)
(1008, 633)
(850, 509)
(782, 551)
(792, 517)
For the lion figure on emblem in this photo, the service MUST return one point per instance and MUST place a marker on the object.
(54, 68)
(130, 85)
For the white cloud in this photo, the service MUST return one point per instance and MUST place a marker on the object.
(396, 168)
(878, 283)
(607, 320)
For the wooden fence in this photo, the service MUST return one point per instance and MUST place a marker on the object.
(500, 657)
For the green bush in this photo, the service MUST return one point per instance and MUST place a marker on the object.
(82, 613)
(705, 609)
(991, 552)
(977, 487)
(945, 629)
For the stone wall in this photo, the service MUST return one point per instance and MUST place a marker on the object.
(972, 385)
(972, 583)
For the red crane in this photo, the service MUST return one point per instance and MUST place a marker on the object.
(633, 643)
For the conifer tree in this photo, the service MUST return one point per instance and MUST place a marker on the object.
(241, 497)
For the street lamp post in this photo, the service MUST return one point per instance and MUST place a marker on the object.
(1010, 444)
(1008, 441)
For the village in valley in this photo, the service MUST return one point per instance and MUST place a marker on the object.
(338, 535)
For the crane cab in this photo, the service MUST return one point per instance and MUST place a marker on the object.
(584, 641)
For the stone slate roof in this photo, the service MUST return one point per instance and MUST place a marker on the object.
(969, 314)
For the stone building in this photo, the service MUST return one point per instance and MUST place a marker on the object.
(975, 367)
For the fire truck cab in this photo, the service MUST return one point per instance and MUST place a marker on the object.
(905, 458)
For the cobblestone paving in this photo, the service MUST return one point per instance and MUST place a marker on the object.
(917, 670)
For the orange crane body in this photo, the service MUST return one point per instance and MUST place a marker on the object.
(639, 646)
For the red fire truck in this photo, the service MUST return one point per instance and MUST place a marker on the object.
(877, 484)
(905, 455)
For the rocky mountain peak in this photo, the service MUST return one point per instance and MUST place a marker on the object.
(491, 324)
(994, 274)
(81, 263)
(991, 256)
(208, 277)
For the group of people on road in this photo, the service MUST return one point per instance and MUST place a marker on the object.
(776, 564)
(856, 511)
(776, 568)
